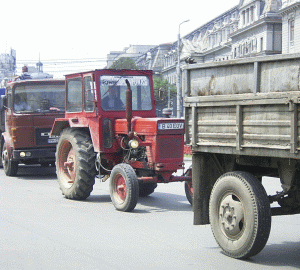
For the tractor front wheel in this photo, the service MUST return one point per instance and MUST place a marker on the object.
(75, 164)
(124, 187)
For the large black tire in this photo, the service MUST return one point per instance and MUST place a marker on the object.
(240, 214)
(145, 189)
(124, 187)
(188, 187)
(75, 164)
(10, 167)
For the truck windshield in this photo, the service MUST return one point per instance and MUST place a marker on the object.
(113, 92)
(39, 98)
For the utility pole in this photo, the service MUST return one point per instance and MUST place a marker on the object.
(179, 74)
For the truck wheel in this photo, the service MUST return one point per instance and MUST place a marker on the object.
(146, 189)
(124, 187)
(10, 167)
(240, 214)
(188, 187)
(75, 164)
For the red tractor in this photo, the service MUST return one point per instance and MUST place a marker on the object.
(110, 130)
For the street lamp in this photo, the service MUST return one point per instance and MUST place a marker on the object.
(179, 74)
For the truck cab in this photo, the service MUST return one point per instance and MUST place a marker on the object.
(30, 108)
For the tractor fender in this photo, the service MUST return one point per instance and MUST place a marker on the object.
(59, 125)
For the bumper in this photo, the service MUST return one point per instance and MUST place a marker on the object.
(30, 154)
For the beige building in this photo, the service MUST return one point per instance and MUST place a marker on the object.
(7, 65)
(252, 28)
(290, 12)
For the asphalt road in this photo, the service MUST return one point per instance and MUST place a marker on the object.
(40, 229)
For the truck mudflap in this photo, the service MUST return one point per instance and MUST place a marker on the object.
(27, 154)
(203, 178)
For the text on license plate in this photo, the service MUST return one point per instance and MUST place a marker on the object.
(164, 126)
(53, 140)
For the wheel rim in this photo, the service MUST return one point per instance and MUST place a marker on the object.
(231, 216)
(4, 158)
(67, 163)
(190, 187)
(120, 188)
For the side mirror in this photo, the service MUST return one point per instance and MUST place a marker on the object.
(3, 103)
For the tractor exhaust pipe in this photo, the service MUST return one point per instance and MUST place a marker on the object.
(128, 106)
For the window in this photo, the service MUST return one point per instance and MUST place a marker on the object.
(247, 16)
(74, 95)
(261, 44)
(252, 14)
(89, 98)
(113, 92)
(291, 31)
(44, 97)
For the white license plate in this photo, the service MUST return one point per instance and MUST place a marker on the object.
(53, 140)
(165, 126)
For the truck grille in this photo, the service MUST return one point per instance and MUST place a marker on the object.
(170, 147)
(42, 136)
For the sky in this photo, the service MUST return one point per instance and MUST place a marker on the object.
(90, 29)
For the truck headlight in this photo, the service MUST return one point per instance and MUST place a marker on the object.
(133, 144)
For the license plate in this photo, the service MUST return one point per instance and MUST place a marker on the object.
(166, 126)
(53, 140)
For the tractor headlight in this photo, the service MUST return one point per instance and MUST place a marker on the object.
(133, 144)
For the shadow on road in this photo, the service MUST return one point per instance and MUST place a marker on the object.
(166, 201)
(157, 202)
(36, 172)
(284, 254)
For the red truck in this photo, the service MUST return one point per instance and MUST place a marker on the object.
(110, 130)
(29, 108)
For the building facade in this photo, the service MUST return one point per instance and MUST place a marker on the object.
(7, 65)
(133, 51)
(290, 12)
(252, 28)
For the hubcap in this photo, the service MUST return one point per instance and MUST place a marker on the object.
(4, 157)
(67, 163)
(190, 186)
(120, 187)
(231, 216)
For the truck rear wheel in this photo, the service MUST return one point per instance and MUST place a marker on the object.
(124, 187)
(10, 167)
(240, 214)
(75, 164)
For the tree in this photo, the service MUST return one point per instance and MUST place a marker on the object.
(124, 63)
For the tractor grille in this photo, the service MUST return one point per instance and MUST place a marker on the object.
(170, 147)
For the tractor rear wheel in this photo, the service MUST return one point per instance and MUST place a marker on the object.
(188, 187)
(240, 214)
(145, 189)
(124, 187)
(75, 164)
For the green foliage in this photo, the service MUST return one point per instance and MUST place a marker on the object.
(161, 85)
(124, 63)
(161, 92)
